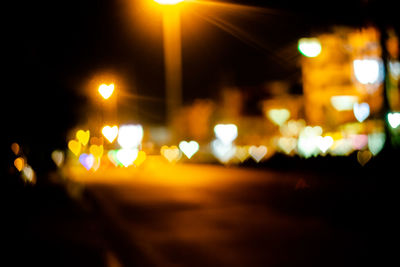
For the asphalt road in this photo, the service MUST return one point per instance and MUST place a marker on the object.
(202, 215)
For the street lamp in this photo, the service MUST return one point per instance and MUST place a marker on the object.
(108, 105)
(172, 55)
(309, 47)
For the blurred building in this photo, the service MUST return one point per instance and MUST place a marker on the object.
(393, 73)
(341, 69)
(348, 70)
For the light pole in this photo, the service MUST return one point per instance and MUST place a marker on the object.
(172, 56)
(107, 92)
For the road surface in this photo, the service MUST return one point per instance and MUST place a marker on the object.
(206, 215)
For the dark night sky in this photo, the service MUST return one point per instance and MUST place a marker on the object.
(52, 48)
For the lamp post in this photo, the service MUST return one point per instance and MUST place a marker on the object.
(107, 92)
(172, 56)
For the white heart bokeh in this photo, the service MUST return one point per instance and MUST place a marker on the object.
(130, 135)
(361, 111)
(226, 133)
(189, 148)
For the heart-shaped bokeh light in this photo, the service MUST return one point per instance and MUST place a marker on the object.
(106, 90)
(58, 157)
(189, 148)
(292, 127)
(28, 174)
(172, 154)
(278, 116)
(96, 151)
(15, 148)
(127, 156)
(394, 119)
(226, 133)
(86, 160)
(83, 136)
(96, 163)
(257, 153)
(361, 111)
(19, 163)
(307, 143)
(75, 147)
(242, 153)
(363, 157)
(287, 144)
(376, 141)
(324, 143)
(110, 133)
(223, 152)
(112, 156)
(130, 135)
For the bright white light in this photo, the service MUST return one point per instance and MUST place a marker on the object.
(308, 146)
(368, 71)
(307, 143)
(189, 148)
(309, 47)
(127, 156)
(223, 152)
(394, 119)
(343, 102)
(226, 133)
(361, 111)
(110, 133)
(130, 136)
(324, 143)
(106, 90)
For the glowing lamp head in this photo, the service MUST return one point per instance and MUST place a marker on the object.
(168, 2)
(106, 90)
(309, 47)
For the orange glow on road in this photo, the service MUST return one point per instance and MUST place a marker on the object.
(141, 157)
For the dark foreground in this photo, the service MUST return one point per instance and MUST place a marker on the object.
(235, 218)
